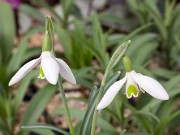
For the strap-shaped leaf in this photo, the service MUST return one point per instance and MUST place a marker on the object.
(32, 12)
(7, 30)
(137, 133)
(19, 57)
(38, 104)
(117, 55)
(87, 120)
(22, 90)
(45, 126)
(153, 10)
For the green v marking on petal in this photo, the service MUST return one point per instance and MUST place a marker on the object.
(41, 73)
(132, 91)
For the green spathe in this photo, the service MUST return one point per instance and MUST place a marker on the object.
(49, 25)
(127, 64)
(47, 42)
(48, 37)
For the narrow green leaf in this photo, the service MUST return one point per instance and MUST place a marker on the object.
(38, 104)
(87, 120)
(148, 114)
(118, 54)
(123, 132)
(153, 10)
(115, 39)
(174, 92)
(98, 34)
(18, 58)
(170, 5)
(45, 5)
(45, 126)
(106, 133)
(172, 82)
(33, 52)
(7, 30)
(41, 131)
(144, 53)
(33, 12)
(139, 41)
(67, 7)
(161, 126)
(22, 89)
(136, 31)
(165, 73)
(77, 113)
(64, 40)
(137, 133)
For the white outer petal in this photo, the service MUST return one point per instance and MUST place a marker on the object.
(150, 85)
(65, 71)
(50, 67)
(24, 70)
(110, 94)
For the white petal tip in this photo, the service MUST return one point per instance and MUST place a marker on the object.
(73, 82)
(70, 78)
(103, 104)
(53, 82)
(150, 85)
(165, 97)
(10, 83)
(66, 72)
(99, 107)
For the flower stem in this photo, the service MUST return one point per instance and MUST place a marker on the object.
(68, 116)
(97, 101)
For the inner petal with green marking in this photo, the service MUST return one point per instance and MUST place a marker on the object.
(41, 73)
(132, 91)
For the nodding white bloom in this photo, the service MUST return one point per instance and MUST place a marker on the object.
(50, 68)
(135, 82)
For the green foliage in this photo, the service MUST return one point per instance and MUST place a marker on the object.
(88, 49)
(7, 32)
(44, 129)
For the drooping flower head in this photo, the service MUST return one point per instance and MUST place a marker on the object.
(50, 66)
(135, 82)
(15, 3)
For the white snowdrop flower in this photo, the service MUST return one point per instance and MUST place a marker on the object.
(50, 68)
(135, 82)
